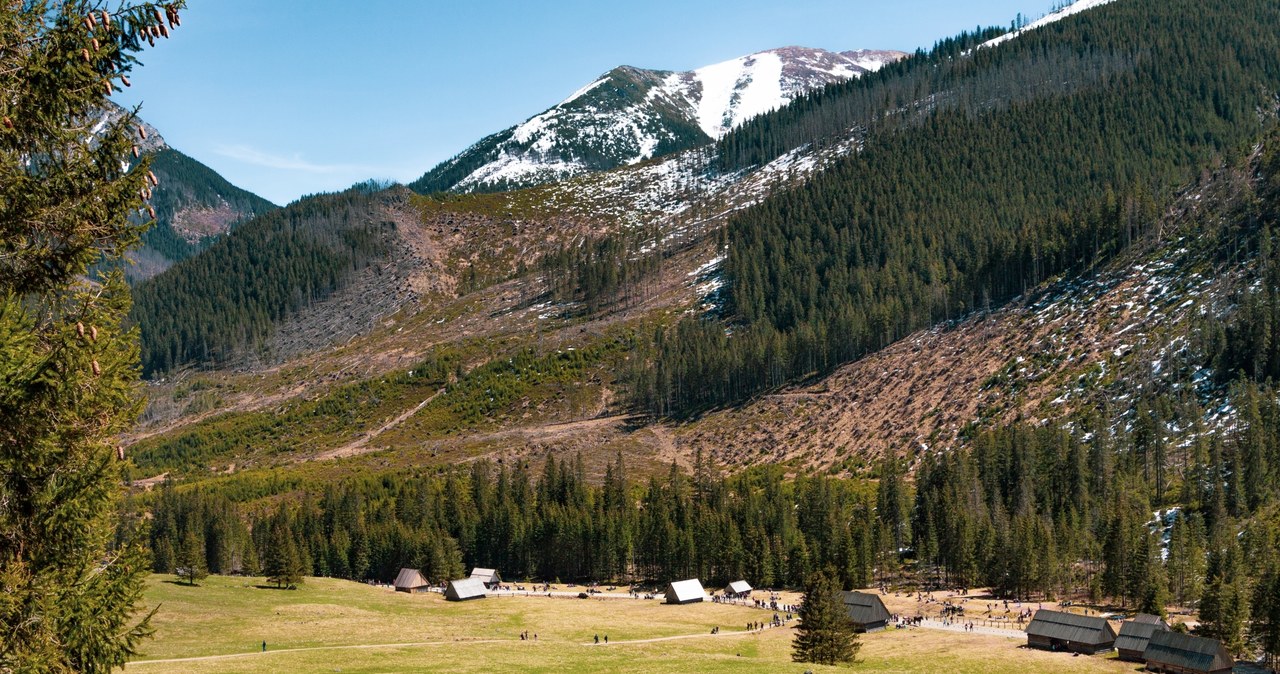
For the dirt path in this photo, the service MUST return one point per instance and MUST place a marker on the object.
(228, 656)
(359, 445)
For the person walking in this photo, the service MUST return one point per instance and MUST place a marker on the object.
(597, 638)
(264, 645)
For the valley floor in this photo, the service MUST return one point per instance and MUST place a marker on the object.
(339, 626)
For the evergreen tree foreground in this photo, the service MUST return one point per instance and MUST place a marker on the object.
(825, 635)
(71, 199)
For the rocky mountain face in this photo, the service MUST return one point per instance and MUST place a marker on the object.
(630, 115)
(194, 205)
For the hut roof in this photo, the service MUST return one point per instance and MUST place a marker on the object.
(681, 591)
(739, 587)
(486, 575)
(410, 578)
(466, 588)
(1071, 627)
(1135, 633)
(1188, 652)
(864, 608)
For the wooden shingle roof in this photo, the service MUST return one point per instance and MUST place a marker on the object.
(486, 576)
(1071, 627)
(410, 579)
(681, 591)
(1135, 633)
(1185, 651)
(466, 588)
(865, 609)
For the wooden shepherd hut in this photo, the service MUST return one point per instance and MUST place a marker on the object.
(489, 577)
(739, 589)
(1134, 635)
(464, 589)
(1177, 653)
(685, 592)
(1062, 631)
(411, 581)
(866, 611)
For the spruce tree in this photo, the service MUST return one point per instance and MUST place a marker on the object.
(70, 198)
(825, 635)
(283, 563)
(191, 565)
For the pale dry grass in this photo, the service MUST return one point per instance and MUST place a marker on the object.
(357, 628)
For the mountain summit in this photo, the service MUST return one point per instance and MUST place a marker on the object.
(631, 114)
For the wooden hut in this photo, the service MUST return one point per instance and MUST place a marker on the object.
(465, 589)
(1062, 631)
(740, 589)
(866, 611)
(1134, 635)
(1176, 653)
(685, 592)
(489, 577)
(411, 581)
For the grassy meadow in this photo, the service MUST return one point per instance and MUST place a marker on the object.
(339, 626)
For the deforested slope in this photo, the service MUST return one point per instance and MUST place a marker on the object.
(988, 172)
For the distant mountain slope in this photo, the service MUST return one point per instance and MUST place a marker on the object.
(989, 171)
(194, 205)
(630, 114)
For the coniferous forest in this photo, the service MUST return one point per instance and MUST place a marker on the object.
(981, 173)
(208, 308)
(982, 176)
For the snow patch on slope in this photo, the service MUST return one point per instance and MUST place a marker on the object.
(1074, 8)
(594, 129)
(737, 90)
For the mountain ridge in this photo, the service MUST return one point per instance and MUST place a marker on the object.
(632, 114)
(194, 204)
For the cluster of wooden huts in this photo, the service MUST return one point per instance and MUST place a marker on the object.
(1145, 638)
(476, 586)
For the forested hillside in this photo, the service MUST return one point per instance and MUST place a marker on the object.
(984, 173)
(590, 416)
(194, 205)
(209, 306)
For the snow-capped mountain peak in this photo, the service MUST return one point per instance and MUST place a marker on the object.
(631, 114)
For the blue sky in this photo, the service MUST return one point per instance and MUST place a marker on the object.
(286, 98)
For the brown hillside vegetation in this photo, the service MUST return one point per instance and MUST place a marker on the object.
(1058, 346)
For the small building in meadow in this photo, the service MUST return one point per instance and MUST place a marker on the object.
(685, 592)
(739, 589)
(1177, 653)
(866, 610)
(411, 581)
(1134, 635)
(465, 589)
(1062, 631)
(489, 577)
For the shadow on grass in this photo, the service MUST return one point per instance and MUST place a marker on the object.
(276, 587)
(181, 583)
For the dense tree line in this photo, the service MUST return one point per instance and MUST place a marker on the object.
(208, 308)
(1116, 512)
(962, 205)
(548, 523)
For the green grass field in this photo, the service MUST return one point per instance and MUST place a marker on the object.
(338, 626)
